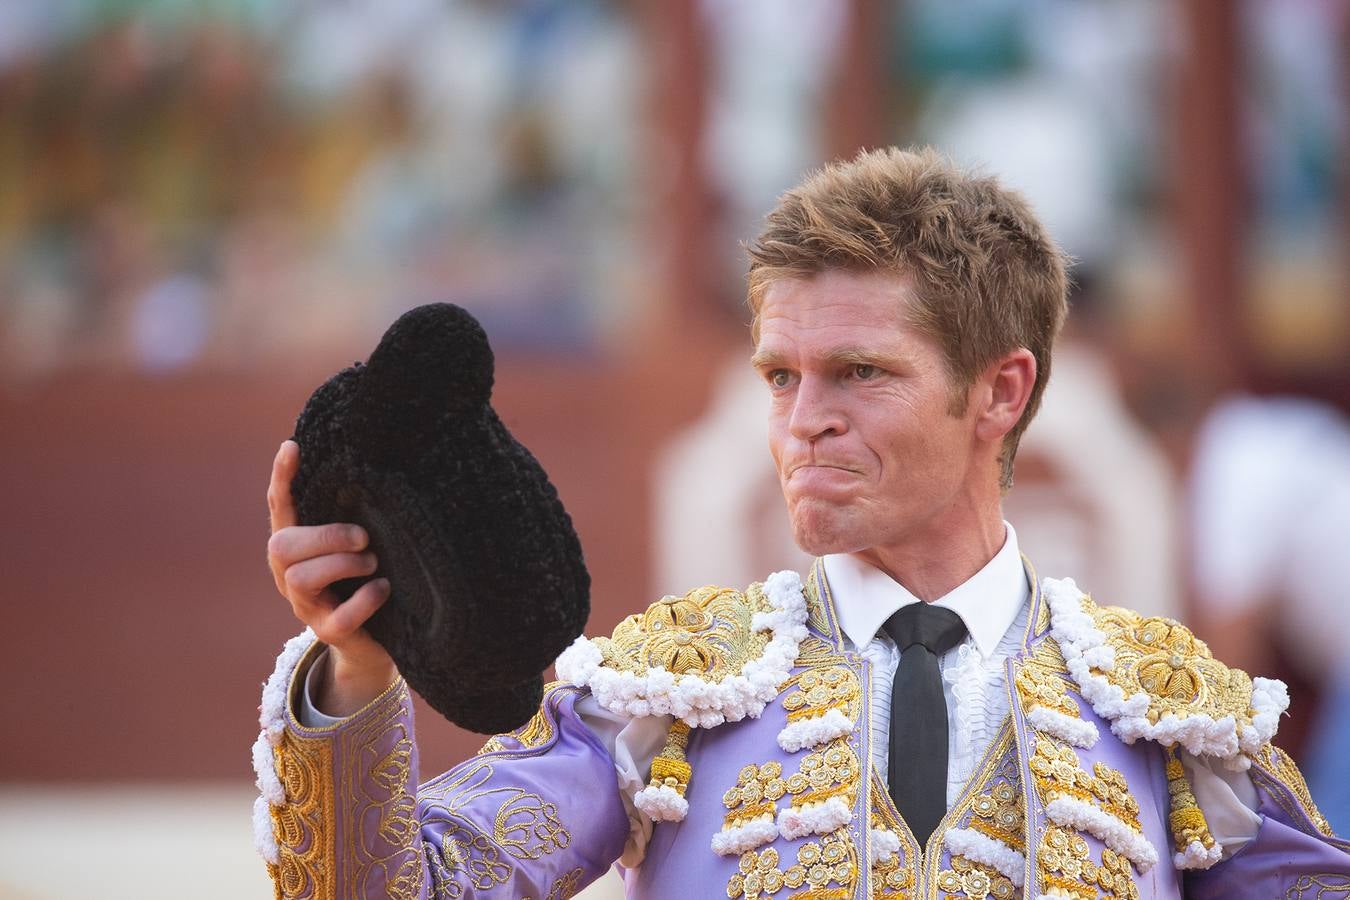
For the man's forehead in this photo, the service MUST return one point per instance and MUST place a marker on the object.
(834, 308)
(839, 295)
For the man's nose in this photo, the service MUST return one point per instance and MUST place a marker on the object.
(816, 411)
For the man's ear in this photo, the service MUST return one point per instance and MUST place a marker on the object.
(1007, 382)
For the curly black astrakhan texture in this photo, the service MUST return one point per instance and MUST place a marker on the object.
(487, 575)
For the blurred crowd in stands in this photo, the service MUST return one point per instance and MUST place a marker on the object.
(228, 183)
(216, 185)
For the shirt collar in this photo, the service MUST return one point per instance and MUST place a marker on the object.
(988, 602)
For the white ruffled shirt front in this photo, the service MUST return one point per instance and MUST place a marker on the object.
(993, 604)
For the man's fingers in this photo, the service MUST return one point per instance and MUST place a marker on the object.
(311, 577)
(279, 503)
(351, 615)
(298, 543)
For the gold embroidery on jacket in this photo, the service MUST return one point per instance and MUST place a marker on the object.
(1042, 681)
(893, 879)
(831, 772)
(817, 615)
(816, 653)
(826, 868)
(527, 827)
(706, 632)
(999, 815)
(821, 689)
(1066, 866)
(1058, 773)
(378, 782)
(1278, 763)
(303, 826)
(535, 733)
(566, 886)
(1164, 660)
(991, 804)
(829, 865)
(755, 794)
(967, 878)
(1318, 887)
(524, 826)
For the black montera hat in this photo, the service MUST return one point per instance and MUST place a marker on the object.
(488, 584)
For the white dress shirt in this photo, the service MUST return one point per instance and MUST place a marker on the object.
(992, 604)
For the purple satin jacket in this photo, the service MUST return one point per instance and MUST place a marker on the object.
(1069, 801)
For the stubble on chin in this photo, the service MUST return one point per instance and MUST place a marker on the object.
(818, 528)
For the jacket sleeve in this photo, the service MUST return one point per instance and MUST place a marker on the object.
(536, 814)
(1294, 853)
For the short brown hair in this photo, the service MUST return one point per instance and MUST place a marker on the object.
(987, 278)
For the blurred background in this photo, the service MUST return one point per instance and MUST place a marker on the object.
(209, 206)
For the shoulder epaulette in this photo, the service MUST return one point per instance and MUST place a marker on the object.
(712, 656)
(1152, 678)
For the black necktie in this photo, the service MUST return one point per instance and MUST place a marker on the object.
(918, 764)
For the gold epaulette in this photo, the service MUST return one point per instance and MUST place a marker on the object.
(712, 656)
(1163, 659)
(708, 632)
(1152, 678)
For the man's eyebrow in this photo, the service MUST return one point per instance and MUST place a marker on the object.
(850, 356)
(842, 357)
(763, 359)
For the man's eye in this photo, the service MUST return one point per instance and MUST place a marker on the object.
(864, 371)
(779, 378)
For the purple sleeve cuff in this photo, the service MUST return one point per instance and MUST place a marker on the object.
(1293, 854)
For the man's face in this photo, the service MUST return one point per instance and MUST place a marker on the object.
(868, 455)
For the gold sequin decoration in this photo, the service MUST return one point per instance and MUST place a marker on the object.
(893, 879)
(967, 878)
(830, 864)
(999, 815)
(756, 792)
(832, 771)
(1057, 771)
(1163, 659)
(821, 689)
(707, 632)
(1039, 681)
(1066, 865)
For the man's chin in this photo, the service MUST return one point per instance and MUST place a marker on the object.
(819, 534)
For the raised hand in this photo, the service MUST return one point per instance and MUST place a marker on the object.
(305, 561)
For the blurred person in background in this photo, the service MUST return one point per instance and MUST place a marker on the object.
(922, 714)
(1269, 516)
